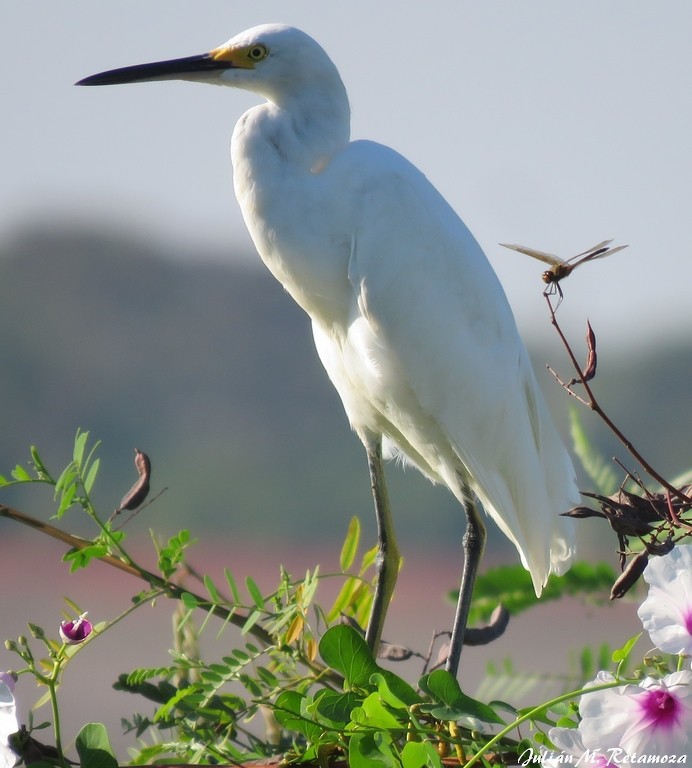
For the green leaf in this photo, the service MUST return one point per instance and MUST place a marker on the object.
(420, 754)
(373, 714)
(267, 677)
(66, 479)
(393, 690)
(250, 622)
(598, 467)
(369, 559)
(66, 500)
(621, 655)
(212, 590)
(91, 476)
(290, 711)
(350, 546)
(344, 598)
(232, 585)
(94, 748)
(254, 592)
(336, 707)
(41, 470)
(444, 688)
(346, 651)
(20, 474)
(189, 601)
(80, 558)
(367, 750)
(79, 446)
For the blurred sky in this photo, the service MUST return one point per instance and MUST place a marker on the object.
(554, 125)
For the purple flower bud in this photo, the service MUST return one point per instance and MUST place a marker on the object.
(77, 631)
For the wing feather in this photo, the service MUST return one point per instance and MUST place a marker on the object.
(448, 378)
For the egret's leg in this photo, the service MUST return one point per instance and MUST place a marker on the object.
(388, 555)
(473, 543)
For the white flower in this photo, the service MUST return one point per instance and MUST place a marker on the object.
(570, 744)
(667, 611)
(653, 717)
(8, 720)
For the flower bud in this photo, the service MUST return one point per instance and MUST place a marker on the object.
(36, 631)
(77, 631)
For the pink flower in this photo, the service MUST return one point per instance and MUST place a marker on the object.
(653, 717)
(77, 631)
(667, 611)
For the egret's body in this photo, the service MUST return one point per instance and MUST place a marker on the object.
(408, 317)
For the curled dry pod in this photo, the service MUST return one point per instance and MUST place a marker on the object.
(393, 652)
(628, 578)
(136, 495)
(499, 619)
(592, 359)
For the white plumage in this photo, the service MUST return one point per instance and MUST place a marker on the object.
(408, 316)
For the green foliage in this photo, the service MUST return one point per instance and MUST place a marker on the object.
(172, 555)
(598, 468)
(511, 586)
(94, 748)
(451, 703)
(313, 678)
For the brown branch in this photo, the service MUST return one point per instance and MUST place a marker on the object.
(170, 589)
(594, 405)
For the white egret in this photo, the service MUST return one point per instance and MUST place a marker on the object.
(408, 317)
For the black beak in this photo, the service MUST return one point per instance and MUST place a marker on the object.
(173, 69)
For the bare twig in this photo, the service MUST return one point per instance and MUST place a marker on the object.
(154, 580)
(591, 403)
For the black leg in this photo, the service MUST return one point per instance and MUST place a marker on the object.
(473, 543)
(388, 555)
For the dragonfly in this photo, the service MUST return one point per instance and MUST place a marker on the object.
(562, 268)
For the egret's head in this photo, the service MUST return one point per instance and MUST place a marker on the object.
(272, 59)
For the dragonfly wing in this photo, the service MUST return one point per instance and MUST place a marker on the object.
(607, 251)
(548, 258)
(590, 253)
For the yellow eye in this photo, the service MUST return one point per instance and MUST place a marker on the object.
(257, 52)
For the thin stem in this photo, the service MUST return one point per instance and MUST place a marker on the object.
(105, 529)
(167, 587)
(593, 404)
(535, 712)
(52, 689)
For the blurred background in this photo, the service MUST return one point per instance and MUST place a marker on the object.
(132, 303)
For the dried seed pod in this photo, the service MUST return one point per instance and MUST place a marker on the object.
(581, 512)
(138, 493)
(394, 652)
(499, 619)
(592, 359)
(628, 578)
